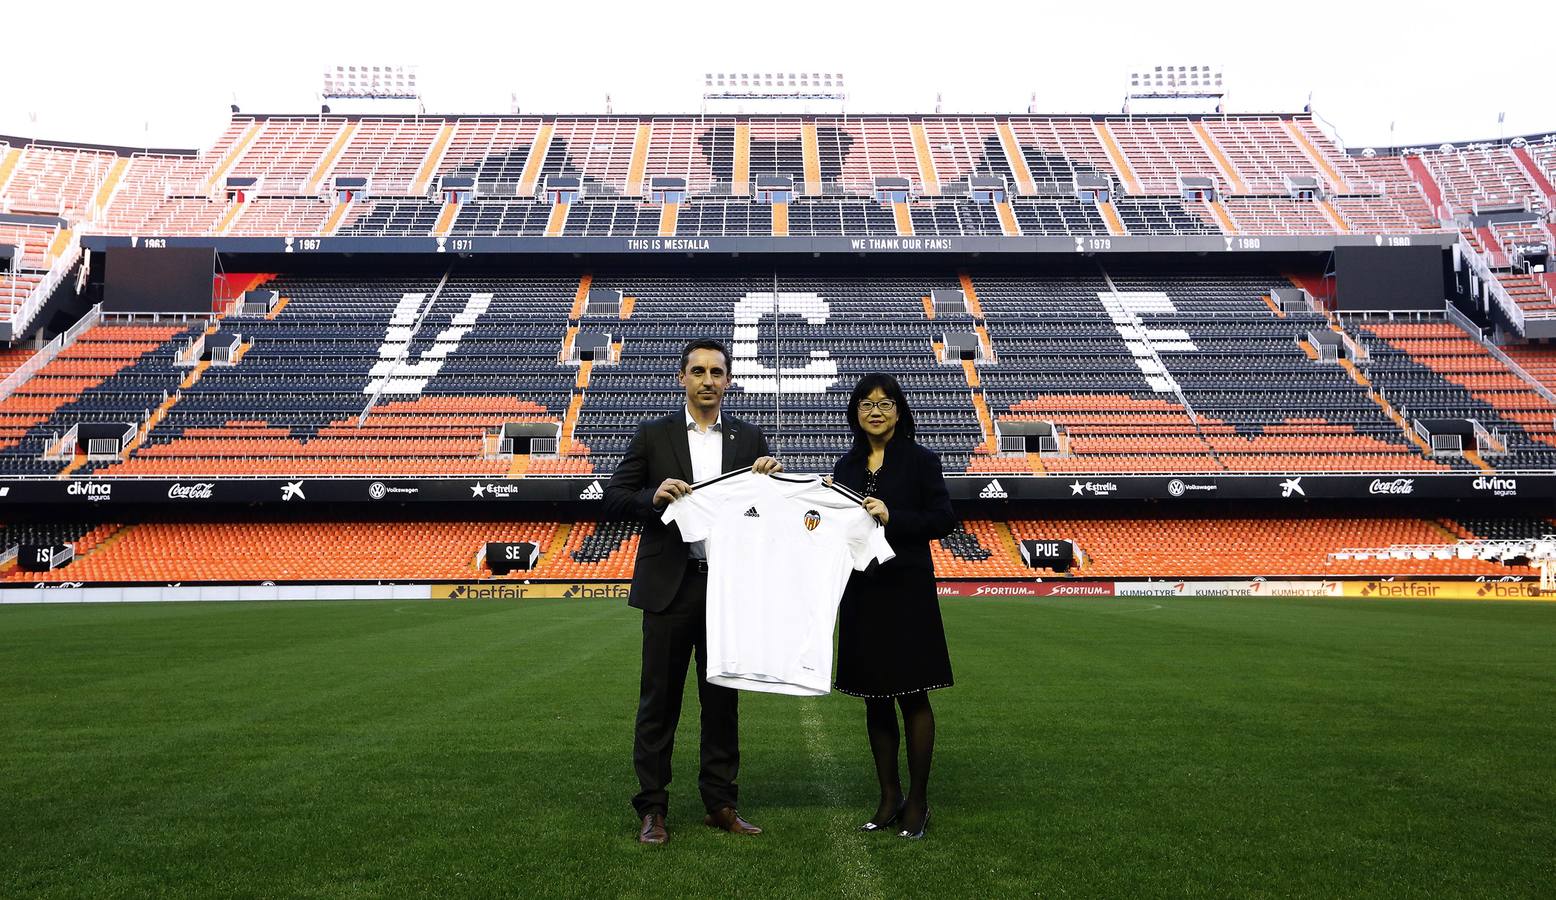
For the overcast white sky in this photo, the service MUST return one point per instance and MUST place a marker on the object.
(163, 74)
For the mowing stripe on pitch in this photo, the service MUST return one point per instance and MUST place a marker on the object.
(858, 872)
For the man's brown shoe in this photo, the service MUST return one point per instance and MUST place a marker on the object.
(653, 830)
(730, 821)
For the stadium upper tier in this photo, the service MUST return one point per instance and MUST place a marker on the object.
(588, 176)
(1087, 368)
(469, 177)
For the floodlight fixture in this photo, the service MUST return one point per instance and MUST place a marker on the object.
(786, 85)
(370, 82)
(1197, 80)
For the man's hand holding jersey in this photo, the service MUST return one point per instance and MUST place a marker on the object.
(670, 490)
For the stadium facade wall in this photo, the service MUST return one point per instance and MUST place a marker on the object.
(1508, 588)
(583, 493)
(691, 246)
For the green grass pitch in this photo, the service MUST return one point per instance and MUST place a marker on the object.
(1121, 747)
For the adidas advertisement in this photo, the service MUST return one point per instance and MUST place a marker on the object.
(993, 491)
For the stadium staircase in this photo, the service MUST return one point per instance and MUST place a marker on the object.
(10, 159)
(1224, 165)
(1121, 165)
(1424, 177)
(928, 177)
(1535, 174)
(326, 164)
(234, 153)
(1317, 157)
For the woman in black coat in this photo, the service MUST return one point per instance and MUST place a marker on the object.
(891, 644)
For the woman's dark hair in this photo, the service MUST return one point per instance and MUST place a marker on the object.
(893, 391)
(703, 344)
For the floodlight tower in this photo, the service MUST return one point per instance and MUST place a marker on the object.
(773, 92)
(1168, 86)
(381, 89)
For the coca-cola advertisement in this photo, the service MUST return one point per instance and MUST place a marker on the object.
(201, 491)
(1392, 486)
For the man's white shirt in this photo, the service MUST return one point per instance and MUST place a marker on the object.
(707, 459)
(780, 550)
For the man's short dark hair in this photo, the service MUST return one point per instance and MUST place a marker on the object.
(704, 344)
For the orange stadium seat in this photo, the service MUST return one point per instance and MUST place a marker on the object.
(260, 551)
(1242, 546)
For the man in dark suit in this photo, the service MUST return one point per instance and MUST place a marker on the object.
(670, 585)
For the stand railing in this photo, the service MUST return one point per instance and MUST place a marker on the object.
(50, 350)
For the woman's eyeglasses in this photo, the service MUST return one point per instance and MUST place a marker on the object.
(884, 406)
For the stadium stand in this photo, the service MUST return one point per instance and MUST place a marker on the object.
(404, 159)
(1505, 528)
(1110, 547)
(1219, 546)
(1168, 365)
(1138, 370)
(359, 377)
(1472, 180)
(1537, 360)
(259, 551)
(12, 358)
(839, 329)
(1436, 370)
(114, 373)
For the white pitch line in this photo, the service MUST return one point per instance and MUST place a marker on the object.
(858, 872)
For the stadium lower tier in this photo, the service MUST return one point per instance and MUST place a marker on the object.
(1105, 547)
(1072, 367)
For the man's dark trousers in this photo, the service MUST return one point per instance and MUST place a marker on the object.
(669, 640)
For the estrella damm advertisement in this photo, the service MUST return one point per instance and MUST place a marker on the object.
(535, 590)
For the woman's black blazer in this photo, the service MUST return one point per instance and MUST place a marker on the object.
(912, 485)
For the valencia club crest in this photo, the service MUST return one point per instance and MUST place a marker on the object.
(812, 519)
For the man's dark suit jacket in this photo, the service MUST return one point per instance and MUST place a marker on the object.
(660, 450)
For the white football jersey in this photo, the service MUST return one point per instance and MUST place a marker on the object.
(780, 550)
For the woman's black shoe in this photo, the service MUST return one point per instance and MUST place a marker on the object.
(915, 835)
(873, 825)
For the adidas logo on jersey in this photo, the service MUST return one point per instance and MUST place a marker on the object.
(753, 514)
(592, 492)
(993, 491)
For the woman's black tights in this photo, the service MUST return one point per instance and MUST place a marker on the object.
(918, 720)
